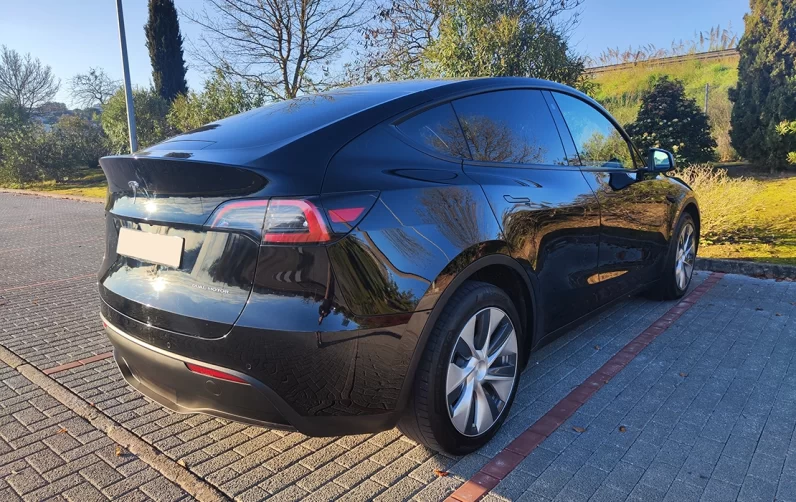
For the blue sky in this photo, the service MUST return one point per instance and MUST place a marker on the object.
(72, 36)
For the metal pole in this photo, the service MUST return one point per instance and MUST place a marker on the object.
(707, 93)
(128, 91)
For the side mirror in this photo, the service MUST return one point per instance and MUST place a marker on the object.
(660, 160)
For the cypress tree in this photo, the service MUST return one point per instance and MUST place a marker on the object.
(164, 41)
(766, 91)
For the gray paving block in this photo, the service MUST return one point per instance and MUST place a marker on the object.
(719, 491)
(624, 477)
(756, 489)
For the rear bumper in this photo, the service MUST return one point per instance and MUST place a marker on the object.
(164, 377)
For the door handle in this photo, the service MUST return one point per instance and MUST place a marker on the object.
(517, 200)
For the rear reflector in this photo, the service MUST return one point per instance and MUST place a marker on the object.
(346, 210)
(345, 215)
(214, 373)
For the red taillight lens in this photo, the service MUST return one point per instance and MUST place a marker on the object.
(294, 221)
(245, 215)
(195, 368)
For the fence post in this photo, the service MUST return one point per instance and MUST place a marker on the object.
(707, 94)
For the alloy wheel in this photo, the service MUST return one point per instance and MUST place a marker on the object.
(686, 255)
(482, 370)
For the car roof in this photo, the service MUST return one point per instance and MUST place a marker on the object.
(246, 137)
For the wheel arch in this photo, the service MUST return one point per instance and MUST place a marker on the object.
(691, 208)
(498, 269)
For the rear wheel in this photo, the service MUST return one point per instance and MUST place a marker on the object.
(680, 261)
(468, 376)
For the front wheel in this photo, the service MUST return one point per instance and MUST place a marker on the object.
(680, 260)
(468, 376)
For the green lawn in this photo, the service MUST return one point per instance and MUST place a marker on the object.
(87, 183)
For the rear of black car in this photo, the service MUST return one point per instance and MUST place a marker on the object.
(217, 288)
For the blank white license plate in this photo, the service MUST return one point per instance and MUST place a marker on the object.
(155, 248)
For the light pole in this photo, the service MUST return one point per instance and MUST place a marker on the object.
(128, 91)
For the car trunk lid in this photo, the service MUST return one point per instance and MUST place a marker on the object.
(174, 271)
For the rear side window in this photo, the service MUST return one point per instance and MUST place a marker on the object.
(510, 127)
(599, 142)
(437, 129)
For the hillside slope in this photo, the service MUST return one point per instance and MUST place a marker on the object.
(620, 91)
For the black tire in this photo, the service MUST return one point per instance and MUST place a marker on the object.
(667, 287)
(426, 419)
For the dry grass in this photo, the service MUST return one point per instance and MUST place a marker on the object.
(745, 218)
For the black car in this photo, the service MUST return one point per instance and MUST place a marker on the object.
(381, 255)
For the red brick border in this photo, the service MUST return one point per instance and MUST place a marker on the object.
(505, 461)
(75, 364)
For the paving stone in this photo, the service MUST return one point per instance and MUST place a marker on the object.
(57, 466)
(738, 396)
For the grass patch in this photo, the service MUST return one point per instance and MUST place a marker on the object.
(745, 218)
(85, 183)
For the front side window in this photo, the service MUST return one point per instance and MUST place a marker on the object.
(599, 142)
(510, 127)
(437, 129)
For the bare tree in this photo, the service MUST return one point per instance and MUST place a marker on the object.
(399, 31)
(394, 40)
(94, 87)
(25, 80)
(284, 47)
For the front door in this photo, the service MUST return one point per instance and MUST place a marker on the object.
(633, 202)
(549, 214)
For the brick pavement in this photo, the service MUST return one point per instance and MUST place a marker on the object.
(721, 431)
(47, 452)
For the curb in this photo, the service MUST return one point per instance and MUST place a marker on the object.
(750, 268)
(81, 198)
(194, 485)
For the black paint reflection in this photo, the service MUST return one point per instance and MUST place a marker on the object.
(212, 283)
(635, 224)
(554, 227)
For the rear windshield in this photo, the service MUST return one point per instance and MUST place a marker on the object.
(278, 122)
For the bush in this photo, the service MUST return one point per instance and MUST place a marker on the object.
(29, 152)
(719, 114)
(670, 120)
(82, 141)
(150, 120)
(22, 149)
(786, 128)
(220, 98)
(723, 201)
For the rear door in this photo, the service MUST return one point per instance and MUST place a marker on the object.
(548, 213)
(634, 205)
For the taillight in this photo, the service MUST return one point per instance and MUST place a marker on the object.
(221, 375)
(294, 221)
(244, 215)
(346, 210)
